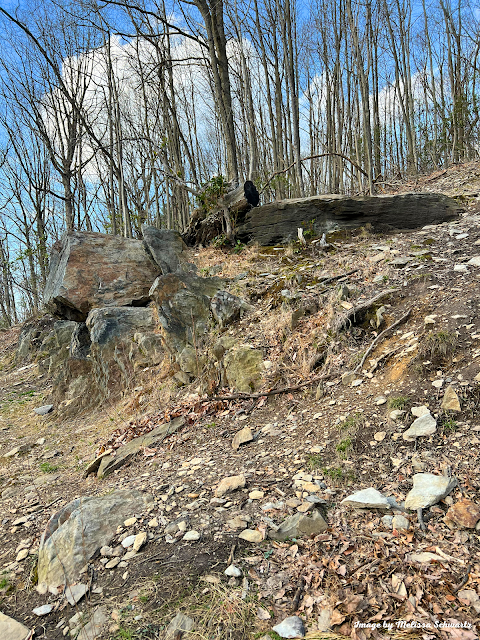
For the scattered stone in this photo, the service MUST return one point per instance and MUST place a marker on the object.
(139, 541)
(428, 489)
(438, 384)
(400, 523)
(256, 495)
(291, 627)
(251, 535)
(42, 411)
(191, 536)
(23, 448)
(178, 626)
(242, 437)
(380, 400)
(230, 484)
(43, 610)
(475, 261)
(396, 414)
(238, 522)
(227, 307)
(430, 319)
(10, 629)
(423, 426)
(367, 499)
(380, 436)
(233, 572)
(153, 523)
(21, 555)
(451, 401)
(461, 268)
(300, 525)
(111, 564)
(420, 411)
(387, 521)
(348, 378)
(128, 541)
(75, 592)
(130, 522)
(464, 513)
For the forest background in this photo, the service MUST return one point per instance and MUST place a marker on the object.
(118, 113)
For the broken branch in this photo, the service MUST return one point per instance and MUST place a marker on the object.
(379, 337)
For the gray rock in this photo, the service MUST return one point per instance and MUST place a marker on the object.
(180, 623)
(367, 499)
(242, 437)
(387, 521)
(74, 593)
(89, 270)
(291, 627)
(44, 610)
(42, 411)
(400, 523)
(108, 464)
(423, 426)
(10, 629)
(428, 489)
(76, 532)
(183, 307)
(300, 525)
(167, 249)
(233, 572)
(226, 308)
(91, 625)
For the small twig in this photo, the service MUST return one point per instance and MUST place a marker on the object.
(379, 337)
(342, 275)
(274, 392)
(298, 594)
(464, 580)
(231, 557)
(421, 521)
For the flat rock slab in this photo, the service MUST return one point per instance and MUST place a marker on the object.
(10, 629)
(464, 513)
(179, 625)
(367, 499)
(76, 532)
(277, 222)
(89, 270)
(428, 489)
(109, 464)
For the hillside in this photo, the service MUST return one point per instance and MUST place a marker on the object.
(343, 382)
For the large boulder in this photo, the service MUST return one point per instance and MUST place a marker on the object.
(89, 270)
(183, 306)
(167, 249)
(244, 367)
(121, 338)
(278, 222)
(78, 531)
(34, 332)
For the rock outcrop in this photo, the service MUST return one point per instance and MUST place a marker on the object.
(278, 222)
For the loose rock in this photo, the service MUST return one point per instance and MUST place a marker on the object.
(300, 525)
(291, 627)
(428, 489)
(242, 437)
(230, 484)
(451, 401)
(464, 513)
(423, 426)
(367, 499)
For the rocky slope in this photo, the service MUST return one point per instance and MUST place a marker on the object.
(242, 522)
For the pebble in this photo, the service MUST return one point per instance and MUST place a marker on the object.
(111, 564)
(256, 495)
(21, 555)
(233, 572)
(130, 522)
(128, 541)
(139, 541)
(251, 535)
(43, 610)
(191, 536)
(230, 484)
